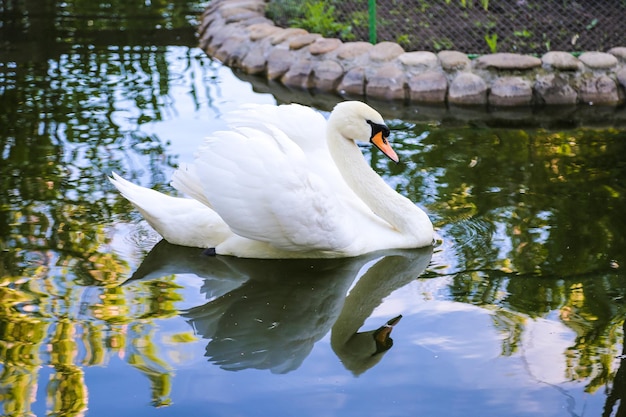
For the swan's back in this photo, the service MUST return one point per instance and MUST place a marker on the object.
(303, 125)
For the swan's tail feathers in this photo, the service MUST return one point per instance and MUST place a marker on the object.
(186, 180)
(131, 192)
(181, 221)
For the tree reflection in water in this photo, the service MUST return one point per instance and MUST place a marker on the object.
(531, 223)
(72, 100)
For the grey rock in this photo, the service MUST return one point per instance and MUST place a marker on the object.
(255, 5)
(284, 34)
(352, 83)
(255, 20)
(351, 50)
(618, 52)
(237, 14)
(563, 61)
(326, 75)
(232, 50)
(385, 51)
(301, 41)
(467, 88)
(510, 91)
(428, 87)
(621, 77)
(215, 35)
(261, 30)
(298, 74)
(600, 90)
(554, 89)
(386, 83)
(254, 62)
(278, 63)
(506, 61)
(598, 60)
(324, 46)
(419, 60)
(453, 60)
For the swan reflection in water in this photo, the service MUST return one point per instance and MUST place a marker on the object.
(268, 314)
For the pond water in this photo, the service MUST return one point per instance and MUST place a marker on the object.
(518, 310)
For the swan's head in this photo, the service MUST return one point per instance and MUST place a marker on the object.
(357, 121)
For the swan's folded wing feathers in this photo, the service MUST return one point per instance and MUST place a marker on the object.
(270, 194)
(186, 180)
(294, 120)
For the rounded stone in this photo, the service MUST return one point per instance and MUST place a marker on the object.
(216, 34)
(240, 4)
(298, 74)
(386, 83)
(598, 60)
(324, 45)
(261, 30)
(419, 60)
(326, 75)
(507, 61)
(278, 63)
(233, 51)
(553, 89)
(284, 34)
(467, 88)
(511, 91)
(385, 51)
(563, 61)
(352, 83)
(599, 90)
(453, 60)
(301, 41)
(428, 87)
(237, 14)
(621, 77)
(254, 61)
(618, 52)
(351, 50)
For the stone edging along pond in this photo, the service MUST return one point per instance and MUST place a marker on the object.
(237, 33)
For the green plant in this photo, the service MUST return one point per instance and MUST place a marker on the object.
(492, 42)
(592, 25)
(319, 17)
(470, 3)
(404, 40)
(546, 41)
(442, 43)
(284, 10)
(524, 33)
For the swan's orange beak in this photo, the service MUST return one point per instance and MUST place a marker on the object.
(382, 143)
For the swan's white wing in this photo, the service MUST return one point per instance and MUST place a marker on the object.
(307, 128)
(261, 184)
(303, 125)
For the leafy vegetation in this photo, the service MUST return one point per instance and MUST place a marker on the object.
(316, 16)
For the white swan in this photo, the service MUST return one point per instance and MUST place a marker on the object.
(272, 187)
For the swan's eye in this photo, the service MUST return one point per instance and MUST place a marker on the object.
(379, 128)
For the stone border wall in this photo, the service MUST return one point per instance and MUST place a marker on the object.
(237, 33)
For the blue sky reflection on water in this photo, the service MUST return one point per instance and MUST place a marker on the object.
(449, 358)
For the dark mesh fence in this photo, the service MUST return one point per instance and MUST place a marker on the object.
(487, 26)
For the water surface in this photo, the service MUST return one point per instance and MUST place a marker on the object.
(518, 310)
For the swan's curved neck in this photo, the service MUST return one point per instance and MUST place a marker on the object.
(386, 203)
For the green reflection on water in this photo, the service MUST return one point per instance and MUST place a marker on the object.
(531, 221)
